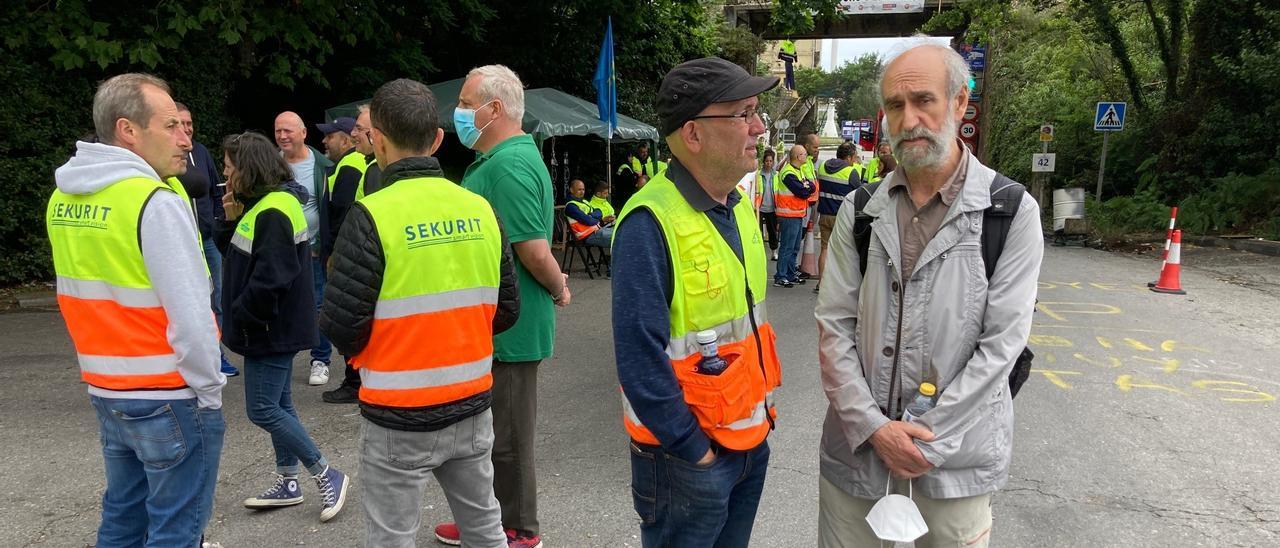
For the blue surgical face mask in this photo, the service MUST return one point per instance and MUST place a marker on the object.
(464, 122)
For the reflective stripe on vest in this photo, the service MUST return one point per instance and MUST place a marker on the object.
(710, 291)
(834, 188)
(648, 168)
(353, 159)
(112, 312)
(279, 200)
(432, 336)
(580, 229)
(785, 203)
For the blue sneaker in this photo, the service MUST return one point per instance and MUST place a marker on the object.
(228, 369)
(286, 492)
(333, 492)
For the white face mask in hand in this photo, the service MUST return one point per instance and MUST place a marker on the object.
(896, 518)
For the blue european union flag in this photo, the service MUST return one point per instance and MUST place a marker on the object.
(606, 82)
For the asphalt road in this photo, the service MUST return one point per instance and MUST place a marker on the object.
(1150, 422)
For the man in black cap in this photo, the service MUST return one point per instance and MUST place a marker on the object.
(694, 348)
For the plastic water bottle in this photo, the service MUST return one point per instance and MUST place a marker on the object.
(711, 362)
(922, 403)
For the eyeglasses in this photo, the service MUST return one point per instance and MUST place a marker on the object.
(748, 116)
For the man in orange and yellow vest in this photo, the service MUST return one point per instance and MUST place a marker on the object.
(586, 221)
(133, 288)
(421, 279)
(689, 278)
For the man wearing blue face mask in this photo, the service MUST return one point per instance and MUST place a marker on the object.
(510, 174)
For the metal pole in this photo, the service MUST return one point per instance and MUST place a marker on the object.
(1102, 164)
(608, 164)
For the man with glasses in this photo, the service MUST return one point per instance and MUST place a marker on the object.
(689, 275)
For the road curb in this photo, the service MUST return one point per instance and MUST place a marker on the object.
(37, 299)
(1261, 247)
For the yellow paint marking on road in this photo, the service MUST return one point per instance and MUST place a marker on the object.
(1137, 345)
(1126, 383)
(1174, 346)
(1055, 378)
(1049, 340)
(1112, 363)
(1103, 342)
(1056, 310)
(1258, 395)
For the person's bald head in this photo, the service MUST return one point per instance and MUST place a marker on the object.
(798, 155)
(577, 189)
(291, 134)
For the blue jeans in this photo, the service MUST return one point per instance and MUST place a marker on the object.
(270, 406)
(323, 350)
(161, 459)
(790, 230)
(682, 504)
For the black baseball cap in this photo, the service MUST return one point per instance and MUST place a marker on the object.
(345, 124)
(693, 85)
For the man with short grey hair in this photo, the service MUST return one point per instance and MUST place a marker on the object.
(914, 301)
(134, 290)
(510, 174)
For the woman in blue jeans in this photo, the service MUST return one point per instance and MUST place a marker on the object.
(269, 311)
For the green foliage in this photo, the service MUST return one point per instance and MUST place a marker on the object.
(1140, 213)
(853, 85)
(740, 45)
(237, 63)
(798, 16)
(1236, 203)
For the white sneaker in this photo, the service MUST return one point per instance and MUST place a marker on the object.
(319, 373)
(775, 254)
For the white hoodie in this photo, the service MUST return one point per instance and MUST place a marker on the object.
(175, 262)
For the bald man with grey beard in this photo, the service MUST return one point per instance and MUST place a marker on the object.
(311, 170)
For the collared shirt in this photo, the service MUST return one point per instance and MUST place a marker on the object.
(514, 179)
(917, 226)
(642, 293)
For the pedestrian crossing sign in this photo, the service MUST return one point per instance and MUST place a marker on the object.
(1109, 117)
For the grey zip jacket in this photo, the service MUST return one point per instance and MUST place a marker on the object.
(945, 325)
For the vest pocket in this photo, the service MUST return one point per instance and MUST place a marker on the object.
(718, 400)
(704, 276)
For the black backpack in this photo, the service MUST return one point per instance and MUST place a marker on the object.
(1006, 197)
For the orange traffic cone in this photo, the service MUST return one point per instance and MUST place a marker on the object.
(1171, 274)
(809, 254)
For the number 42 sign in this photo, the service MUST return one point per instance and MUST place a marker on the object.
(1042, 163)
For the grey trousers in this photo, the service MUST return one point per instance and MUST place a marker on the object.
(395, 466)
(515, 418)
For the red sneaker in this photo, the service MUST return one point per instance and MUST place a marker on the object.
(522, 541)
(447, 533)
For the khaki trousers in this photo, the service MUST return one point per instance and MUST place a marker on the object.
(953, 523)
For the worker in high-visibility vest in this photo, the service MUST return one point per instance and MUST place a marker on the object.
(270, 311)
(879, 166)
(420, 329)
(837, 177)
(586, 222)
(600, 200)
(133, 289)
(690, 274)
(791, 191)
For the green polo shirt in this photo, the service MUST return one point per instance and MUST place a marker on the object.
(516, 182)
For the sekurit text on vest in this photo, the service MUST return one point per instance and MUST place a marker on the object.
(445, 231)
(80, 215)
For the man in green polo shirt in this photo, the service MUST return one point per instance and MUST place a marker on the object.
(509, 172)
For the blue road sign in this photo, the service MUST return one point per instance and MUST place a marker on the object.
(1109, 117)
(977, 58)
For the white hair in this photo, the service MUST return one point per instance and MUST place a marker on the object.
(361, 109)
(499, 82)
(958, 73)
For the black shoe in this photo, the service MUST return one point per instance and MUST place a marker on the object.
(802, 276)
(344, 393)
(782, 283)
(798, 281)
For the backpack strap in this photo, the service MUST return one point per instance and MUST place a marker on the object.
(862, 222)
(1006, 198)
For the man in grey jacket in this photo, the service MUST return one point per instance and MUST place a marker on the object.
(924, 312)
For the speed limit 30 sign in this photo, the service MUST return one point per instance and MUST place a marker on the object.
(968, 130)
